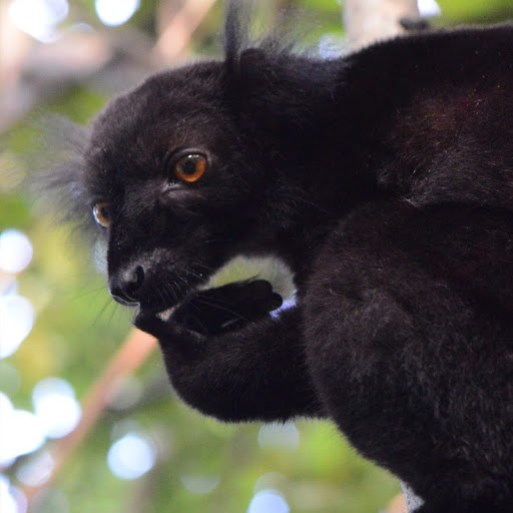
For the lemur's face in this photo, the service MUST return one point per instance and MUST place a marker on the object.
(171, 187)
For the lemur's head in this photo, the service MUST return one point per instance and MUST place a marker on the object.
(178, 178)
(173, 184)
(195, 166)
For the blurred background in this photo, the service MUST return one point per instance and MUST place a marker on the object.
(87, 419)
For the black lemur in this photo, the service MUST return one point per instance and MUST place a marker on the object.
(384, 180)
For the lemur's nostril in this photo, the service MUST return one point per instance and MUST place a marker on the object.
(136, 280)
(125, 286)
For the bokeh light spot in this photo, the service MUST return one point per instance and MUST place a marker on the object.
(428, 8)
(131, 456)
(115, 12)
(56, 407)
(7, 502)
(20, 432)
(16, 321)
(15, 251)
(268, 501)
(39, 18)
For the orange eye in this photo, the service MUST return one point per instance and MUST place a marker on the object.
(101, 214)
(190, 168)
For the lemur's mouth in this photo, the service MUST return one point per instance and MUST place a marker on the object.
(162, 311)
(239, 269)
(162, 297)
(125, 302)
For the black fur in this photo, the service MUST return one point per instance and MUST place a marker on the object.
(385, 181)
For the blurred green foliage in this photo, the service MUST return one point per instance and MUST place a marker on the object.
(78, 329)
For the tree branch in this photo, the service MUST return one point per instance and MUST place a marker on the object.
(178, 31)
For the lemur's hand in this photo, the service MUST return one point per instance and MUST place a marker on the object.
(227, 308)
(214, 311)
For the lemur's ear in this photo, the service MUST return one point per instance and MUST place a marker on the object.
(251, 61)
(249, 72)
(236, 30)
(242, 52)
(249, 87)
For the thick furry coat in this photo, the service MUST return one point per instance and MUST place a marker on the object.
(385, 181)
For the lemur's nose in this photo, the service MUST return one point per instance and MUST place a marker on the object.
(125, 285)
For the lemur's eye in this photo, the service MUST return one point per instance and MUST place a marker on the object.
(190, 168)
(101, 214)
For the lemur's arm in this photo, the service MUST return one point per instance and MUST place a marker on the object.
(257, 371)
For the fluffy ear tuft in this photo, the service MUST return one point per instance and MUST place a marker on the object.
(241, 18)
(236, 30)
(59, 172)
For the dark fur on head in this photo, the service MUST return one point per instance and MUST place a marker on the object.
(385, 181)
